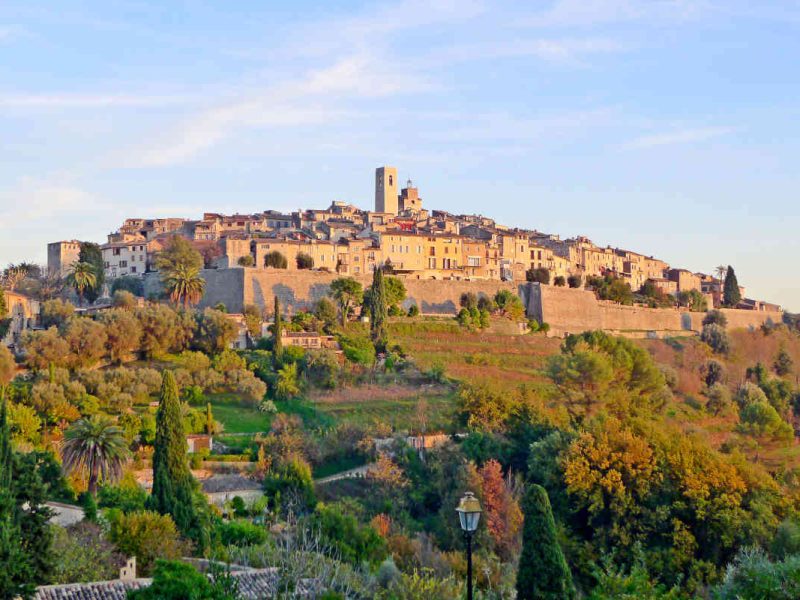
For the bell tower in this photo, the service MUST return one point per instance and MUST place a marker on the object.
(386, 190)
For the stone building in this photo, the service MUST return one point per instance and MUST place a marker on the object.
(685, 280)
(22, 314)
(61, 255)
(386, 197)
(124, 258)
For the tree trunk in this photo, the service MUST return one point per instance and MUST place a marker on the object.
(92, 488)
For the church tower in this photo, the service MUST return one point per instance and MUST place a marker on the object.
(386, 190)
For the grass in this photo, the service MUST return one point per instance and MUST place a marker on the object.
(237, 415)
(397, 411)
(236, 444)
(474, 355)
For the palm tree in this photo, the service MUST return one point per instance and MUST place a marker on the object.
(720, 271)
(97, 445)
(184, 284)
(81, 277)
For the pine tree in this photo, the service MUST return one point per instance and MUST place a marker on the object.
(377, 311)
(731, 296)
(277, 334)
(543, 573)
(173, 485)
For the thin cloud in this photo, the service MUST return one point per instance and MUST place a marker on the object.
(568, 50)
(70, 101)
(683, 136)
(587, 13)
(322, 96)
(36, 198)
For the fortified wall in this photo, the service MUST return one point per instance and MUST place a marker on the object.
(569, 310)
(300, 290)
(566, 310)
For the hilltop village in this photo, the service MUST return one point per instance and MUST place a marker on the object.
(401, 235)
(321, 404)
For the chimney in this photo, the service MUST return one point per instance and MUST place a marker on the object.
(128, 572)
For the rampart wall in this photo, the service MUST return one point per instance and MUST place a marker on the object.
(572, 311)
(566, 310)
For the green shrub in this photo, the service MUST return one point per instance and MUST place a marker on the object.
(241, 533)
(356, 543)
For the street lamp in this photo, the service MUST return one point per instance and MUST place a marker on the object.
(469, 513)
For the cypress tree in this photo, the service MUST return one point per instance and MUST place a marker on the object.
(731, 296)
(543, 573)
(277, 334)
(16, 571)
(209, 419)
(173, 484)
(377, 311)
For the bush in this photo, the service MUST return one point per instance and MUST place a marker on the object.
(83, 554)
(540, 275)
(246, 261)
(147, 536)
(715, 317)
(413, 310)
(355, 543)
(574, 281)
(304, 261)
(241, 533)
(761, 419)
(276, 260)
(358, 349)
(716, 337)
(487, 304)
(719, 399)
(128, 496)
(468, 300)
(175, 580)
(713, 372)
(753, 575)
(291, 487)
(559, 281)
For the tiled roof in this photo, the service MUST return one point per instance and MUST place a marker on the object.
(99, 590)
(254, 584)
(228, 483)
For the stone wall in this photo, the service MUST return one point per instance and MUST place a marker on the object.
(566, 310)
(569, 310)
(298, 290)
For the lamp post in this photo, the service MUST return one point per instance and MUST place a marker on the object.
(469, 513)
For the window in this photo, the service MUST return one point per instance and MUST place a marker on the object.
(391, 180)
(133, 269)
(431, 263)
(123, 263)
(419, 249)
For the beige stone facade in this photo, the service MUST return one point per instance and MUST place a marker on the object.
(124, 258)
(386, 186)
(61, 256)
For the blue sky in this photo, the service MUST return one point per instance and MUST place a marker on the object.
(670, 127)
